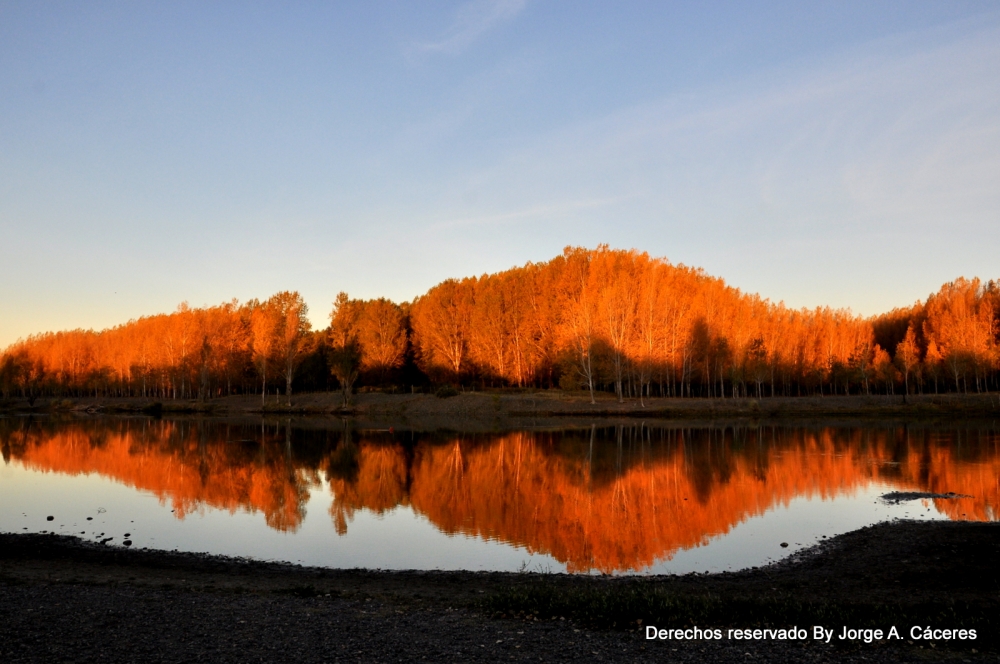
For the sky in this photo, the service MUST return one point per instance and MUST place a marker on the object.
(824, 153)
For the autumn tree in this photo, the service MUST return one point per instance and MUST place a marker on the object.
(933, 361)
(441, 321)
(605, 319)
(617, 310)
(884, 369)
(756, 355)
(908, 356)
(345, 351)
(579, 314)
(860, 361)
(292, 326)
(381, 335)
(264, 327)
(647, 331)
(10, 374)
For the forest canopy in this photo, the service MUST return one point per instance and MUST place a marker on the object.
(595, 320)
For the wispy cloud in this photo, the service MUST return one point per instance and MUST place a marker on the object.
(472, 20)
(877, 164)
(532, 213)
(908, 136)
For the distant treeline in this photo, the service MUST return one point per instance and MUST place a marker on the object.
(599, 320)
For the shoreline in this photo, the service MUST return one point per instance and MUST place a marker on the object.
(513, 409)
(942, 574)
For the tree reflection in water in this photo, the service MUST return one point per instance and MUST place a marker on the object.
(609, 499)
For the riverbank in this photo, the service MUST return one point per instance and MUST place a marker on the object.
(69, 600)
(511, 409)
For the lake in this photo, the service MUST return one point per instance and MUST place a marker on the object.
(624, 499)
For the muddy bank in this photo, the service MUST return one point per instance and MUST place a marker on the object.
(75, 601)
(512, 409)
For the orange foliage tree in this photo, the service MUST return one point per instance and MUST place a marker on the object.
(598, 319)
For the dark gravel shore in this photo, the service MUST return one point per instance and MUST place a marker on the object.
(69, 601)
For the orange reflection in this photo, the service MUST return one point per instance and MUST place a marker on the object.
(611, 499)
(379, 485)
(177, 463)
(653, 493)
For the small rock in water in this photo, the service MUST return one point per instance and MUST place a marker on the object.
(50, 518)
(90, 518)
(784, 545)
(127, 543)
(128, 534)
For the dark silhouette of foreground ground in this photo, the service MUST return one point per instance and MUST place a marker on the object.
(62, 599)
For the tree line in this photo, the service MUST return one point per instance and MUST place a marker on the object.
(594, 320)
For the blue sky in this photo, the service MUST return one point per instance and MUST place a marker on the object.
(842, 153)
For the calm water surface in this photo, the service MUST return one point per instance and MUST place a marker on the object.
(603, 499)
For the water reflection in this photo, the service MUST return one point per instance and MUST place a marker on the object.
(609, 499)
